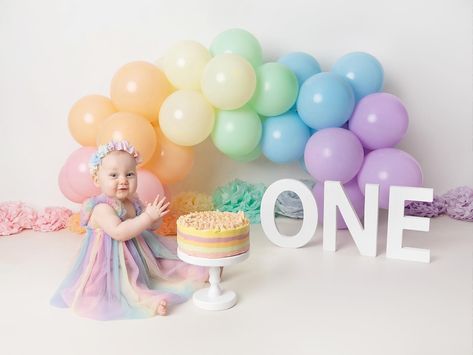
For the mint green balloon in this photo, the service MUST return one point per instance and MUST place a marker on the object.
(253, 155)
(237, 132)
(241, 42)
(276, 89)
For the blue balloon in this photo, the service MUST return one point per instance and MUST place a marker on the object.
(302, 164)
(302, 64)
(363, 71)
(284, 137)
(325, 100)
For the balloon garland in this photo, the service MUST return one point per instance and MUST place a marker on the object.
(338, 122)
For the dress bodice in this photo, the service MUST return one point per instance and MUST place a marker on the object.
(117, 205)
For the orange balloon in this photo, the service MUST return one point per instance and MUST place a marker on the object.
(171, 162)
(86, 115)
(141, 88)
(133, 128)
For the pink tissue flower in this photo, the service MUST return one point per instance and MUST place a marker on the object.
(15, 216)
(52, 219)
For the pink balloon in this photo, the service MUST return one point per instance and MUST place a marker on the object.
(66, 189)
(353, 193)
(149, 186)
(77, 172)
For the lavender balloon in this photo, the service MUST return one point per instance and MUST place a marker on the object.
(357, 200)
(389, 167)
(379, 120)
(333, 154)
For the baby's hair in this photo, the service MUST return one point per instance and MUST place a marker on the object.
(104, 149)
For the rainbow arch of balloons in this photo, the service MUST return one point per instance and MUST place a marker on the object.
(339, 122)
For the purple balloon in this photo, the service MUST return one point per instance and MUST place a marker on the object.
(353, 193)
(333, 154)
(379, 120)
(389, 167)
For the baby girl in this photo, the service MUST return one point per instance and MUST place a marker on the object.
(123, 269)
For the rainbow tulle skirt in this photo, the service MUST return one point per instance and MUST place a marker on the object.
(123, 280)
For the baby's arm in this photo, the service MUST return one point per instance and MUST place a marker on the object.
(156, 224)
(105, 217)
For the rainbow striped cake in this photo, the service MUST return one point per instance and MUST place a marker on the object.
(213, 234)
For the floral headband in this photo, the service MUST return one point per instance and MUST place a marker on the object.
(111, 146)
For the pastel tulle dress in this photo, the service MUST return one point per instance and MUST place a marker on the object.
(119, 280)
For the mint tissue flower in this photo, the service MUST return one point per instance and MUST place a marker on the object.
(239, 195)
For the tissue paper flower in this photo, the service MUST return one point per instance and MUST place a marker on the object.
(15, 216)
(168, 227)
(239, 195)
(191, 201)
(460, 203)
(289, 204)
(52, 219)
(73, 224)
(426, 209)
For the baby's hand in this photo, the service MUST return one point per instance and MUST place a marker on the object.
(157, 209)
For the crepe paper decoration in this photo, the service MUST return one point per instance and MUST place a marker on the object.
(73, 224)
(456, 203)
(192, 201)
(52, 219)
(239, 195)
(427, 209)
(460, 203)
(289, 204)
(168, 227)
(17, 216)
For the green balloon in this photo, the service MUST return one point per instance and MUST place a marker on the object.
(276, 89)
(253, 155)
(241, 42)
(237, 132)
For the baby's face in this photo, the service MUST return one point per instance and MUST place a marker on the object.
(116, 175)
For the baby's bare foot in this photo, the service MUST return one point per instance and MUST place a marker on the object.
(162, 308)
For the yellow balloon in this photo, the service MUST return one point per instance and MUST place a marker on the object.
(133, 128)
(86, 115)
(141, 88)
(228, 81)
(186, 118)
(184, 64)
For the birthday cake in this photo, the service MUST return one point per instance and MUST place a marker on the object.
(213, 234)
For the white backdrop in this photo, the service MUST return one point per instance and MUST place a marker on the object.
(55, 52)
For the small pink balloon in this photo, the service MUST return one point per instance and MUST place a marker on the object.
(149, 186)
(353, 193)
(66, 189)
(77, 172)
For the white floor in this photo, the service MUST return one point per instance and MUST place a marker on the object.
(303, 301)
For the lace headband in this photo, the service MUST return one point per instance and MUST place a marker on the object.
(111, 146)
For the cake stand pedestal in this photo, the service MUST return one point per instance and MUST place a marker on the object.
(213, 298)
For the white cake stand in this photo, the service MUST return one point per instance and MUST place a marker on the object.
(213, 298)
